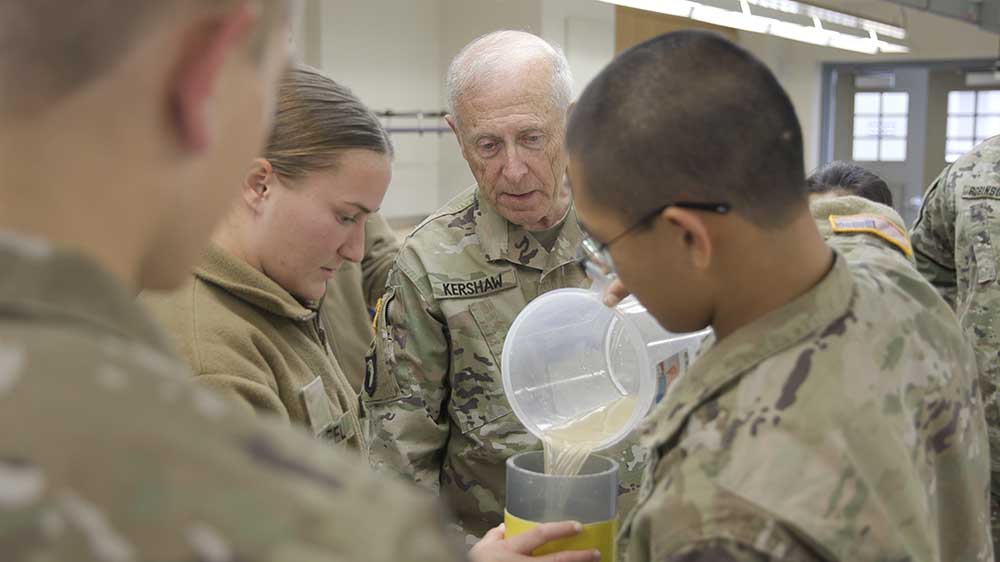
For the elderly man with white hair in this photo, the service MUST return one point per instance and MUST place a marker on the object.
(435, 404)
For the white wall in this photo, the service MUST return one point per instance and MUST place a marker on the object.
(388, 53)
(586, 32)
(394, 54)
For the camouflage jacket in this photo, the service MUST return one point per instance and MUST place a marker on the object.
(110, 453)
(246, 337)
(354, 288)
(956, 241)
(844, 426)
(434, 400)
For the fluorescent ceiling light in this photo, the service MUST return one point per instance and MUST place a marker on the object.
(729, 18)
(868, 39)
(680, 8)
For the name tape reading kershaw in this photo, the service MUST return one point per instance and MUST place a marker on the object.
(445, 288)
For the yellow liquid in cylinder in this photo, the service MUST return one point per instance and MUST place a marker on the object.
(567, 446)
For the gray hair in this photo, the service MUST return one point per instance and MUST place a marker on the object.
(502, 50)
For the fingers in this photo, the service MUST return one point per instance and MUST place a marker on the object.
(526, 542)
(571, 556)
(490, 547)
(615, 292)
(494, 534)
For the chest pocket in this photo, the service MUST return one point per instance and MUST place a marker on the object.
(478, 402)
(323, 421)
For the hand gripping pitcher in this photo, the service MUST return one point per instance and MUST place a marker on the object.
(579, 373)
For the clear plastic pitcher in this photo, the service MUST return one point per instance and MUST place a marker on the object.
(568, 355)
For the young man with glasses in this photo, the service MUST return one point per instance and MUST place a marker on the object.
(835, 416)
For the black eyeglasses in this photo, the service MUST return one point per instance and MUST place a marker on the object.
(596, 254)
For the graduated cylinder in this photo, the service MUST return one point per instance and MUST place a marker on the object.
(591, 497)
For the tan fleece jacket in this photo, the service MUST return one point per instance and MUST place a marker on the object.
(247, 337)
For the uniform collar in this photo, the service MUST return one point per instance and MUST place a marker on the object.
(822, 311)
(41, 281)
(240, 279)
(502, 240)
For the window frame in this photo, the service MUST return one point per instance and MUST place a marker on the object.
(880, 115)
(975, 139)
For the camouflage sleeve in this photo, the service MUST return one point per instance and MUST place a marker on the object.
(933, 237)
(406, 385)
(123, 458)
(381, 247)
(722, 550)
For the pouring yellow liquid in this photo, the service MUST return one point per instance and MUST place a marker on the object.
(567, 446)
(566, 449)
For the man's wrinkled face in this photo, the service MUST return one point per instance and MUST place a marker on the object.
(512, 136)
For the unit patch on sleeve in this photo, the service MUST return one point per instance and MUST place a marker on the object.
(873, 224)
(447, 287)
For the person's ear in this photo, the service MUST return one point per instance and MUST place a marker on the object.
(210, 43)
(694, 235)
(257, 184)
(453, 123)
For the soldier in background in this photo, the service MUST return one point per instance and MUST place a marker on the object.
(837, 415)
(434, 398)
(123, 125)
(956, 242)
(355, 290)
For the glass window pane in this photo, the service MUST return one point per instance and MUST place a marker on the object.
(958, 146)
(866, 103)
(959, 126)
(865, 150)
(961, 101)
(866, 126)
(949, 158)
(987, 126)
(894, 126)
(895, 102)
(893, 150)
(988, 102)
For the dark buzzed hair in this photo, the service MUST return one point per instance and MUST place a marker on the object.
(52, 48)
(850, 179)
(689, 116)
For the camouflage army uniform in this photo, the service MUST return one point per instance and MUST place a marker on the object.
(846, 425)
(354, 288)
(957, 245)
(110, 453)
(434, 398)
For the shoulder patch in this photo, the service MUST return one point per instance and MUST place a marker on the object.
(981, 192)
(873, 224)
(476, 285)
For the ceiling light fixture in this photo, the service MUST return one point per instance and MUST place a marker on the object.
(804, 23)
